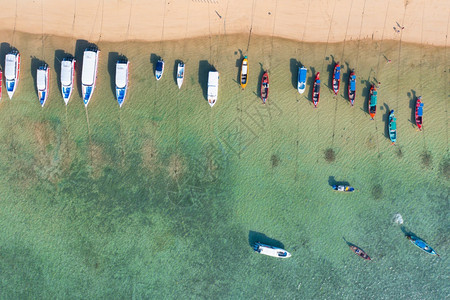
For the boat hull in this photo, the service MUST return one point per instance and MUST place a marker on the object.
(336, 78)
(316, 90)
(11, 82)
(421, 244)
(42, 84)
(343, 188)
(122, 71)
(392, 127)
(89, 71)
(265, 87)
(271, 251)
(244, 73)
(352, 88)
(358, 251)
(419, 113)
(372, 108)
(180, 74)
(159, 69)
(67, 65)
(301, 81)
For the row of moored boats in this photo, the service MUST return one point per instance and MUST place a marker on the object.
(89, 76)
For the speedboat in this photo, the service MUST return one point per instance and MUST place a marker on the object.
(180, 74)
(360, 252)
(392, 127)
(271, 250)
(372, 105)
(352, 87)
(67, 77)
(265, 87)
(301, 82)
(244, 72)
(159, 69)
(89, 73)
(42, 79)
(419, 113)
(316, 90)
(122, 67)
(343, 188)
(336, 78)
(421, 244)
(213, 87)
(12, 71)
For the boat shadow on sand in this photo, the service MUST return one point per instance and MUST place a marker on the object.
(412, 105)
(204, 67)
(5, 48)
(351, 244)
(386, 119)
(239, 66)
(154, 61)
(332, 181)
(310, 84)
(35, 64)
(294, 65)
(254, 237)
(365, 94)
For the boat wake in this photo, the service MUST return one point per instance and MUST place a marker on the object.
(397, 219)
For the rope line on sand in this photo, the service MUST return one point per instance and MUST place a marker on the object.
(15, 24)
(42, 29)
(161, 44)
(251, 26)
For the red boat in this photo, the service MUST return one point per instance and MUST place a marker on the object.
(372, 107)
(358, 251)
(336, 78)
(265, 87)
(419, 113)
(352, 87)
(316, 90)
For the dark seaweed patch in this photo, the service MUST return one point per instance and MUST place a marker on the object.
(330, 155)
(427, 159)
(377, 191)
(275, 160)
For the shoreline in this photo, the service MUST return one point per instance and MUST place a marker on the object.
(322, 22)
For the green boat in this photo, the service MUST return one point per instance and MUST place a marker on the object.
(392, 127)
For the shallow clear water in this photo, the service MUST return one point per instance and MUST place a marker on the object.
(162, 198)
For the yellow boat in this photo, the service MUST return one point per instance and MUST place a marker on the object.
(244, 72)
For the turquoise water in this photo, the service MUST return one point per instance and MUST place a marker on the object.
(162, 198)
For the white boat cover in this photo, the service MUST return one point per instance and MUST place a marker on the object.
(10, 66)
(244, 69)
(41, 79)
(66, 72)
(213, 84)
(89, 67)
(121, 74)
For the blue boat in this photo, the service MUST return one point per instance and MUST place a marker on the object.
(301, 84)
(336, 78)
(121, 80)
(159, 69)
(352, 87)
(392, 127)
(421, 244)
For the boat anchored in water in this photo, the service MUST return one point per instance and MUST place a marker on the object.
(392, 127)
(213, 87)
(42, 79)
(265, 87)
(270, 250)
(421, 244)
(89, 73)
(336, 78)
(360, 252)
(316, 90)
(343, 188)
(159, 69)
(352, 87)
(180, 74)
(12, 71)
(419, 113)
(244, 72)
(372, 105)
(67, 77)
(301, 81)
(122, 67)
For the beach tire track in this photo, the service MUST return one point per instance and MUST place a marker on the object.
(129, 20)
(95, 20)
(251, 25)
(161, 45)
(42, 29)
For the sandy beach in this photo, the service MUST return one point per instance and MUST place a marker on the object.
(423, 21)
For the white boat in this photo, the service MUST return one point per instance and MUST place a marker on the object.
(122, 67)
(89, 73)
(12, 70)
(67, 77)
(180, 74)
(271, 251)
(42, 79)
(159, 69)
(301, 84)
(213, 87)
